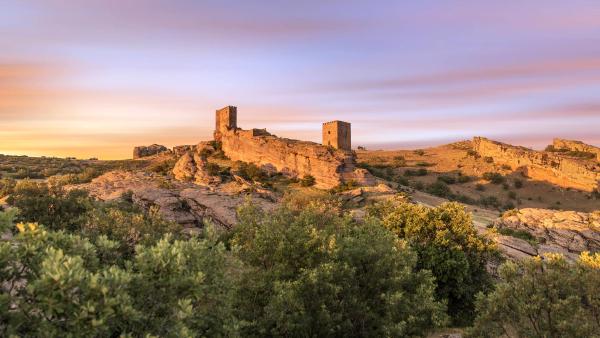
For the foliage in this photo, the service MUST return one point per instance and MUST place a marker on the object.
(52, 206)
(313, 273)
(447, 179)
(7, 186)
(128, 226)
(418, 172)
(307, 181)
(518, 183)
(447, 244)
(542, 297)
(419, 152)
(250, 171)
(439, 188)
(164, 167)
(56, 284)
(495, 178)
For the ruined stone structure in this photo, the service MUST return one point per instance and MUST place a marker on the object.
(337, 134)
(144, 151)
(225, 119)
(571, 145)
(330, 166)
(544, 166)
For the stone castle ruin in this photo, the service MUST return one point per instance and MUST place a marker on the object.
(331, 163)
(553, 167)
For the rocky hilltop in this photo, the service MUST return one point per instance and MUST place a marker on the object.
(553, 167)
(578, 146)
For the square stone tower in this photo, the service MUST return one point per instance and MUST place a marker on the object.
(337, 135)
(226, 119)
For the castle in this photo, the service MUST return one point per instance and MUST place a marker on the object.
(331, 163)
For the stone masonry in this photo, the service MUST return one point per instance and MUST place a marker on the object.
(543, 166)
(330, 166)
(337, 134)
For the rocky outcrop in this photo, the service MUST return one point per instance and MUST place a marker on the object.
(544, 166)
(571, 145)
(330, 167)
(144, 151)
(184, 203)
(192, 167)
(565, 232)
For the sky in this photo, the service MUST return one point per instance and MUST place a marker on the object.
(94, 78)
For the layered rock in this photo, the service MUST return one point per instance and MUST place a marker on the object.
(330, 167)
(565, 232)
(572, 145)
(186, 204)
(193, 167)
(544, 166)
(144, 151)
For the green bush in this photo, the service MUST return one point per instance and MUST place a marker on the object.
(493, 177)
(312, 273)
(7, 186)
(307, 181)
(488, 159)
(447, 179)
(250, 171)
(542, 297)
(439, 188)
(447, 244)
(518, 183)
(419, 172)
(419, 152)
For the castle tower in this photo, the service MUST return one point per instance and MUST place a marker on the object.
(226, 119)
(337, 135)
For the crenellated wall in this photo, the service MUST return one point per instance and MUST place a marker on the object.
(543, 166)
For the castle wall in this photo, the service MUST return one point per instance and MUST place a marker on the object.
(543, 166)
(328, 166)
(576, 146)
(225, 119)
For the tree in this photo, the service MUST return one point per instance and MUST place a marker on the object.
(448, 245)
(313, 273)
(542, 297)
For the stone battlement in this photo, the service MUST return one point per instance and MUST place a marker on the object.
(544, 166)
(329, 166)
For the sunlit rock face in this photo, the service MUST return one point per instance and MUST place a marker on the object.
(563, 171)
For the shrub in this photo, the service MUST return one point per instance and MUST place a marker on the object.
(419, 152)
(542, 297)
(446, 179)
(7, 186)
(489, 201)
(424, 164)
(488, 159)
(250, 171)
(439, 188)
(399, 161)
(518, 183)
(463, 179)
(53, 207)
(314, 273)
(213, 169)
(307, 181)
(163, 167)
(479, 187)
(512, 195)
(448, 244)
(419, 172)
(493, 177)
(506, 167)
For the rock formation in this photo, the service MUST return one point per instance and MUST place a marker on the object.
(561, 144)
(144, 151)
(184, 203)
(565, 232)
(328, 165)
(193, 167)
(544, 166)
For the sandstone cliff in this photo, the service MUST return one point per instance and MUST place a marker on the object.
(544, 166)
(327, 165)
(572, 145)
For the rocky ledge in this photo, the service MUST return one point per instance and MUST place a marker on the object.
(565, 232)
(185, 203)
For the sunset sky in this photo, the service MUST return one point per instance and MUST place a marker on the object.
(95, 78)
